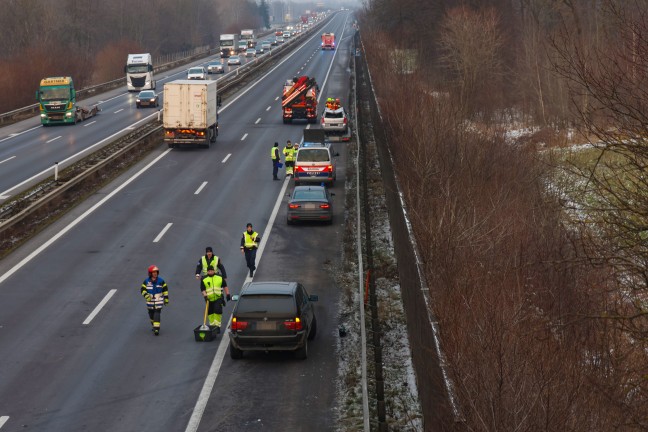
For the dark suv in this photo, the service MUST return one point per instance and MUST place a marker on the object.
(272, 316)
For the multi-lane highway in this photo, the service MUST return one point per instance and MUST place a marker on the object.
(76, 350)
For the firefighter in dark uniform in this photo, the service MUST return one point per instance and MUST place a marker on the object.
(156, 293)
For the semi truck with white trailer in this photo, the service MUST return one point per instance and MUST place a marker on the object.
(190, 113)
(139, 72)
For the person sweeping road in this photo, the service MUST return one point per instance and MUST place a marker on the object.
(213, 287)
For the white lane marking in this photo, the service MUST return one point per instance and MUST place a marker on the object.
(214, 369)
(101, 304)
(88, 124)
(277, 98)
(4, 197)
(47, 170)
(258, 120)
(119, 110)
(20, 133)
(244, 136)
(54, 139)
(227, 157)
(78, 220)
(200, 188)
(8, 159)
(164, 230)
(3, 420)
(268, 109)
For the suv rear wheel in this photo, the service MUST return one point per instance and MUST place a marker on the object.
(302, 353)
(235, 353)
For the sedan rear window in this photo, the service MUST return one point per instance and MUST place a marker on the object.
(313, 155)
(333, 114)
(309, 194)
(266, 303)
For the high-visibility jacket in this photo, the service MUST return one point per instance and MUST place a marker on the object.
(157, 289)
(213, 286)
(205, 264)
(274, 153)
(249, 239)
(289, 152)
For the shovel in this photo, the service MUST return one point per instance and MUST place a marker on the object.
(204, 327)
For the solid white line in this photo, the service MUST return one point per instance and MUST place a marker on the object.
(258, 120)
(214, 369)
(54, 139)
(101, 304)
(268, 109)
(200, 188)
(227, 157)
(5, 196)
(244, 136)
(8, 159)
(78, 220)
(88, 124)
(45, 171)
(164, 230)
(3, 420)
(119, 110)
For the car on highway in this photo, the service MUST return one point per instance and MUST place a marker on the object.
(274, 42)
(197, 73)
(272, 316)
(251, 52)
(242, 46)
(280, 39)
(215, 67)
(310, 203)
(147, 98)
(266, 45)
(314, 164)
(234, 60)
(334, 120)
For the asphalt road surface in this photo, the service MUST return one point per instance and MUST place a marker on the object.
(76, 348)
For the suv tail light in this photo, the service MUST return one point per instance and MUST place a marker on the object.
(325, 206)
(345, 120)
(293, 206)
(295, 324)
(238, 325)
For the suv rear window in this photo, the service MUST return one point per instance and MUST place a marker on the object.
(313, 155)
(266, 303)
(333, 114)
(309, 194)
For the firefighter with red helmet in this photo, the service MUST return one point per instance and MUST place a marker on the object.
(156, 293)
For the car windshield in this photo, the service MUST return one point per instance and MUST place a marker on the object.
(146, 94)
(137, 68)
(263, 303)
(195, 71)
(308, 194)
(313, 155)
(215, 64)
(54, 93)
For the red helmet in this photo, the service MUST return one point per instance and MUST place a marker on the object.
(153, 268)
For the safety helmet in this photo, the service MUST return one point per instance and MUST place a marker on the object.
(153, 268)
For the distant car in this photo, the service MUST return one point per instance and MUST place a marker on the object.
(242, 46)
(278, 32)
(147, 98)
(198, 73)
(310, 203)
(280, 39)
(215, 67)
(234, 60)
(274, 42)
(272, 316)
(334, 120)
(251, 52)
(266, 45)
(260, 50)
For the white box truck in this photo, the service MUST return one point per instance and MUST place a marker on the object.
(139, 72)
(247, 35)
(228, 44)
(190, 113)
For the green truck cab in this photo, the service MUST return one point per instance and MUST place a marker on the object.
(56, 99)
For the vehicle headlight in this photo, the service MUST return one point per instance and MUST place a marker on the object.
(69, 114)
(152, 100)
(137, 100)
(43, 115)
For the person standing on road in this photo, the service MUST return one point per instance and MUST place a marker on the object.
(249, 244)
(156, 293)
(274, 154)
(212, 287)
(289, 155)
(209, 259)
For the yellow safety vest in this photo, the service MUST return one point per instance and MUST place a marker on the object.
(289, 153)
(213, 287)
(274, 156)
(205, 264)
(249, 239)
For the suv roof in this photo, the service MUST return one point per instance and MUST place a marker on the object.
(269, 288)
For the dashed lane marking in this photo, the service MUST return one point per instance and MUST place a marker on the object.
(88, 124)
(258, 120)
(200, 188)
(268, 109)
(164, 230)
(227, 157)
(119, 110)
(101, 304)
(54, 139)
(8, 159)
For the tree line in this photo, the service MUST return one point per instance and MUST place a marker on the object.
(539, 270)
(89, 40)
